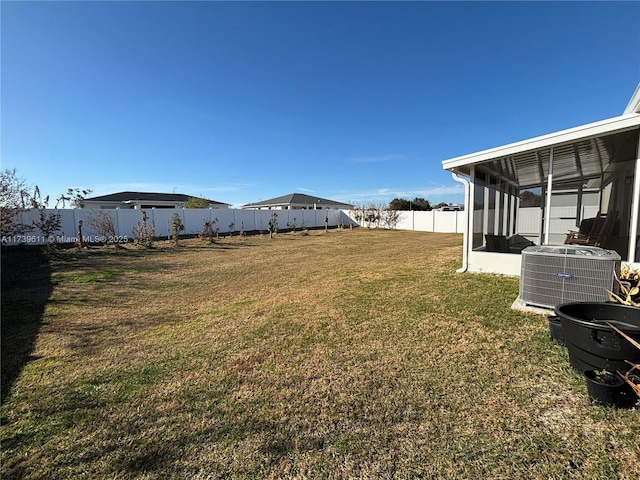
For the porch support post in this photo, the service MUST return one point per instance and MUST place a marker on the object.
(485, 210)
(506, 210)
(516, 209)
(635, 209)
(547, 207)
(576, 156)
(470, 211)
(497, 209)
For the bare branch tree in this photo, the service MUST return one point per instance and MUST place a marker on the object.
(103, 225)
(14, 199)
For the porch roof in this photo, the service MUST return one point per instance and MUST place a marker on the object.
(578, 153)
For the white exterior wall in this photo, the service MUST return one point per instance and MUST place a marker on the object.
(499, 263)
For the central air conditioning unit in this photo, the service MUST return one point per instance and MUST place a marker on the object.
(551, 275)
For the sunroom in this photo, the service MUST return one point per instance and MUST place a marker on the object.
(580, 185)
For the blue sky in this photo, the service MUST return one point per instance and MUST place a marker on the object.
(244, 101)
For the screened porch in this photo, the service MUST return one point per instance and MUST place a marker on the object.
(580, 186)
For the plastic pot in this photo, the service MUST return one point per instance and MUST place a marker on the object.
(555, 330)
(591, 343)
(604, 388)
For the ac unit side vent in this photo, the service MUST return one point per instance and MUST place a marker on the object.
(554, 275)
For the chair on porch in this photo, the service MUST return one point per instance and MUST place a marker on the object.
(501, 244)
(496, 243)
(593, 231)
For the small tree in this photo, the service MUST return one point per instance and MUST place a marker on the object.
(176, 227)
(80, 238)
(357, 213)
(273, 224)
(74, 196)
(373, 215)
(391, 218)
(143, 232)
(47, 223)
(103, 225)
(14, 199)
(231, 225)
(210, 229)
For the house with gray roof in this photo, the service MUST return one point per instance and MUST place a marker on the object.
(144, 200)
(297, 201)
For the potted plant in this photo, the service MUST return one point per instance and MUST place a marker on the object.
(628, 282)
(604, 387)
(632, 376)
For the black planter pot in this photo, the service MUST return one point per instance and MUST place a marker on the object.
(604, 389)
(591, 343)
(555, 330)
(628, 396)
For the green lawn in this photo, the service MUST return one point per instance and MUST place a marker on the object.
(340, 354)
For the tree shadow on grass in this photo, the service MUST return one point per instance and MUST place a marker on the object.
(26, 287)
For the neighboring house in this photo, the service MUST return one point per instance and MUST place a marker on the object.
(297, 201)
(144, 200)
(584, 176)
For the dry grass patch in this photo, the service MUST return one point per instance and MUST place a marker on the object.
(341, 354)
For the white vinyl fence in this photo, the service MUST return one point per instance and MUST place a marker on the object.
(528, 221)
(431, 221)
(234, 220)
(125, 220)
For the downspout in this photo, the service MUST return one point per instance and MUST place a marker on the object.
(468, 208)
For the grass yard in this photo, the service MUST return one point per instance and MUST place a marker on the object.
(337, 355)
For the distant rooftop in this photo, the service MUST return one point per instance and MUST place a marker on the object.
(299, 200)
(126, 197)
